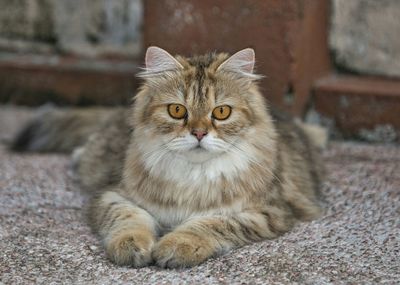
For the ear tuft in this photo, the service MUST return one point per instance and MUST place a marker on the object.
(158, 60)
(241, 62)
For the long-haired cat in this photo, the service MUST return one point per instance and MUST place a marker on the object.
(196, 167)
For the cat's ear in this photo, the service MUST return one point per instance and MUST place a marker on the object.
(241, 62)
(158, 60)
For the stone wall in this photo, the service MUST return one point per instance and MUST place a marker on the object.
(84, 27)
(288, 36)
(364, 36)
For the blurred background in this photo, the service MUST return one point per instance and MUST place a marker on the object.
(332, 62)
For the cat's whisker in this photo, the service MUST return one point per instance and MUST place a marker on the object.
(151, 152)
(160, 152)
(253, 160)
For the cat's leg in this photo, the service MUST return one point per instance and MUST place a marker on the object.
(200, 238)
(128, 232)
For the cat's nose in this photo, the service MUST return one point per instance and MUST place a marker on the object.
(199, 134)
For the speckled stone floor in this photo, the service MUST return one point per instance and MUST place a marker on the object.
(44, 239)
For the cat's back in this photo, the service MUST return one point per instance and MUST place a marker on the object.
(300, 167)
(99, 162)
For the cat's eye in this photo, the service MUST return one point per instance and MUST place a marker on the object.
(177, 111)
(222, 112)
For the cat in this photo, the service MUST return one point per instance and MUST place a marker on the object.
(197, 166)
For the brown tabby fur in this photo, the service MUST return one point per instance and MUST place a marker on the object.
(153, 203)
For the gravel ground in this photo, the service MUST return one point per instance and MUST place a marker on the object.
(44, 239)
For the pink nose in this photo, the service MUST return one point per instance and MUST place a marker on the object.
(199, 134)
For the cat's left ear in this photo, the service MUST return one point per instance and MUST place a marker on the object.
(241, 62)
(159, 60)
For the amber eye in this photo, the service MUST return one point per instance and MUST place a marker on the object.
(177, 111)
(222, 112)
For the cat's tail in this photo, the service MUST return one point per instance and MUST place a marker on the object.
(318, 135)
(59, 130)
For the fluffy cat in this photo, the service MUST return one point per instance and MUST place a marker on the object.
(196, 167)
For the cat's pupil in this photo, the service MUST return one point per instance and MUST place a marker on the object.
(221, 110)
(177, 109)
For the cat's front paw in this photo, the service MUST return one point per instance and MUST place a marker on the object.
(182, 250)
(131, 247)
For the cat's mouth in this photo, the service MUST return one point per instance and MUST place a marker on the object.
(199, 153)
(198, 147)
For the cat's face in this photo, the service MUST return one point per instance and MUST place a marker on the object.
(197, 111)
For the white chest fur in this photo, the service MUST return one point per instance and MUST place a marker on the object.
(174, 168)
(193, 184)
(195, 188)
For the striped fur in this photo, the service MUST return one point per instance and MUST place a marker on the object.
(160, 198)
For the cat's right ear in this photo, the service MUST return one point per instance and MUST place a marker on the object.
(158, 61)
(241, 63)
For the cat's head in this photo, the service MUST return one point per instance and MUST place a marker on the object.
(198, 108)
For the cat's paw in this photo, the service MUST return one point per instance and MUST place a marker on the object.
(182, 250)
(76, 157)
(131, 247)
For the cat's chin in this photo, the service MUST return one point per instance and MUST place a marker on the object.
(199, 155)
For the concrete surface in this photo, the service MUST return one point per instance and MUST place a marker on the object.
(289, 38)
(44, 239)
(362, 107)
(364, 36)
(37, 79)
(89, 28)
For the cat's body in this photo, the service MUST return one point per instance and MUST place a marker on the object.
(180, 184)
